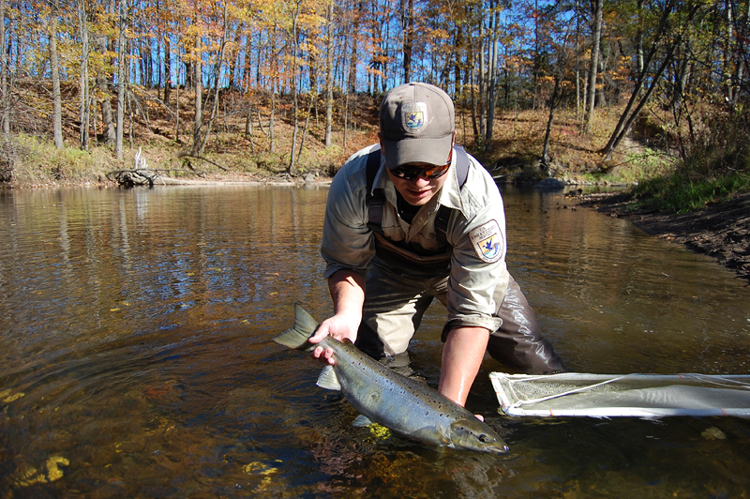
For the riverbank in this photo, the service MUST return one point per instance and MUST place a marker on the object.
(720, 230)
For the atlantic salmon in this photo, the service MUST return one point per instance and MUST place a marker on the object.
(408, 407)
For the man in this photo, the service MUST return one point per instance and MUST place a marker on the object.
(430, 224)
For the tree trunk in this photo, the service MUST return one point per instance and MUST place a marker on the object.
(596, 41)
(295, 100)
(121, 78)
(84, 76)
(492, 79)
(545, 162)
(627, 118)
(407, 23)
(272, 147)
(55, 70)
(198, 82)
(313, 96)
(203, 135)
(100, 41)
(579, 114)
(4, 77)
(329, 75)
(482, 73)
(637, 101)
(639, 55)
(177, 107)
(474, 118)
(167, 69)
(249, 126)
(743, 61)
(352, 83)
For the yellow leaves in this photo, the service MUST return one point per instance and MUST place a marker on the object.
(8, 396)
(713, 433)
(122, 304)
(258, 468)
(32, 476)
(53, 472)
(261, 469)
(379, 432)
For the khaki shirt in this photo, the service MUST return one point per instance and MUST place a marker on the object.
(476, 232)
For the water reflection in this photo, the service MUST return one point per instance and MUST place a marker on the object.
(136, 355)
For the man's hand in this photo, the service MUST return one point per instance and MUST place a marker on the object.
(341, 327)
(348, 292)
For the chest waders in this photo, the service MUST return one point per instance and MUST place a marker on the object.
(518, 342)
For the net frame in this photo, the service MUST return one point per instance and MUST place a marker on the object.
(649, 396)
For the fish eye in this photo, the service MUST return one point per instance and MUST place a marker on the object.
(484, 438)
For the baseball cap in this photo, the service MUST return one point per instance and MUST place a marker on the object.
(417, 121)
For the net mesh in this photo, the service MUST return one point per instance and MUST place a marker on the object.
(642, 395)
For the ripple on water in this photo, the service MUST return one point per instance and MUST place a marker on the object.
(137, 345)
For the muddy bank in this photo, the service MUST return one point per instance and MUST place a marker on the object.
(721, 230)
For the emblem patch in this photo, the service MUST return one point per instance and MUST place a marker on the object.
(414, 116)
(487, 241)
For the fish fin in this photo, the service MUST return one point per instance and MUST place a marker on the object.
(304, 327)
(328, 379)
(361, 421)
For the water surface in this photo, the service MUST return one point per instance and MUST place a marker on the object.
(136, 357)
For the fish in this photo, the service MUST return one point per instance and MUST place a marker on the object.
(407, 407)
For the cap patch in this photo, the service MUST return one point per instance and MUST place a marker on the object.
(487, 241)
(414, 116)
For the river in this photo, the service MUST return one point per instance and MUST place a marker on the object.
(136, 355)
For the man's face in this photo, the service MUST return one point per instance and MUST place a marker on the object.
(418, 182)
(419, 190)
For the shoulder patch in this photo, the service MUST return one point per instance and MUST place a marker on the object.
(486, 240)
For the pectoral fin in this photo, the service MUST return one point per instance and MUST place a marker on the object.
(362, 421)
(328, 379)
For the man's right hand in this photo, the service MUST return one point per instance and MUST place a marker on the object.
(348, 292)
(341, 327)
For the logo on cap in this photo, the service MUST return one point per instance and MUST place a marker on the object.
(414, 115)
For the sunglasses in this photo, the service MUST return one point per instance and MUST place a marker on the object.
(407, 172)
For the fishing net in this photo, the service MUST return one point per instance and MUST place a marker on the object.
(634, 395)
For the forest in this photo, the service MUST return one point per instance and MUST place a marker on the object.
(292, 85)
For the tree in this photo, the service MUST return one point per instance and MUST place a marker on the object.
(407, 23)
(201, 133)
(4, 77)
(121, 76)
(668, 36)
(284, 58)
(596, 36)
(83, 92)
(329, 73)
(294, 44)
(55, 74)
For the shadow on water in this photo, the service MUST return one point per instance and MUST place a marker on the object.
(136, 357)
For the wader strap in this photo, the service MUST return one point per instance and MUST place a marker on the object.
(376, 200)
(444, 213)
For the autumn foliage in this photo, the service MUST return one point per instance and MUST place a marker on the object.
(292, 86)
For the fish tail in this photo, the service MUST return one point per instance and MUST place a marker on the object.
(304, 327)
